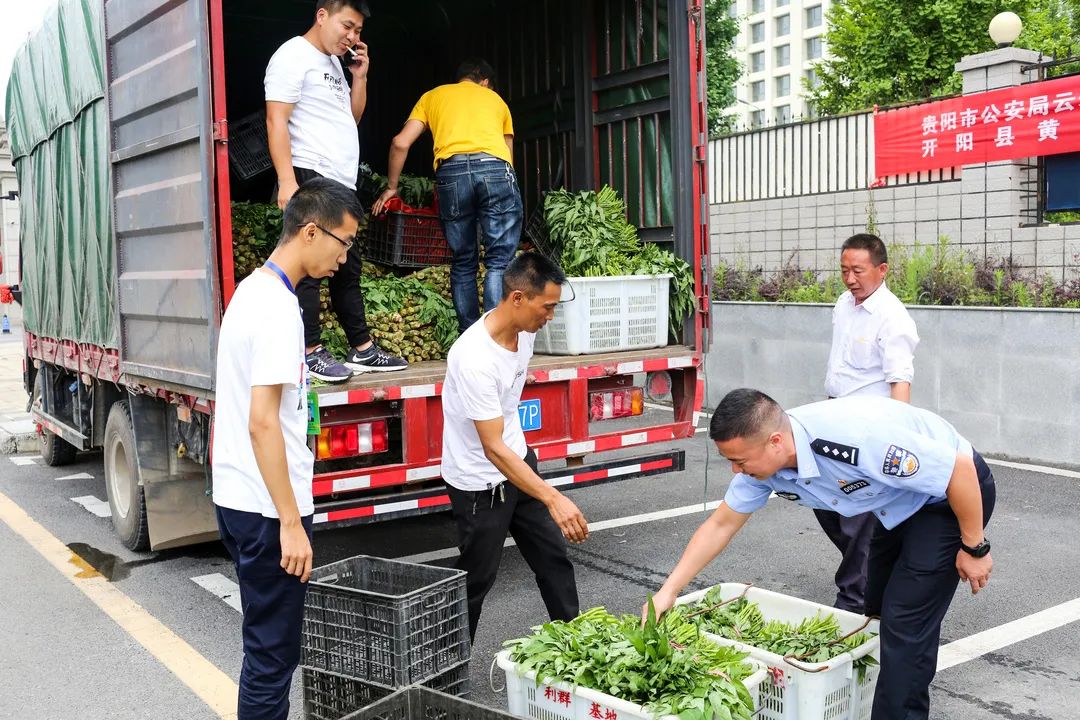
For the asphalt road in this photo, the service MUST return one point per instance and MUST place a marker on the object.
(62, 657)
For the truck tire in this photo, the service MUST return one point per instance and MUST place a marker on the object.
(122, 483)
(55, 450)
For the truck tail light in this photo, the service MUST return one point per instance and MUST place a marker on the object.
(609, 404)
(339, 441)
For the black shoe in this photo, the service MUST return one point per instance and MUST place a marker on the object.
(374, 359)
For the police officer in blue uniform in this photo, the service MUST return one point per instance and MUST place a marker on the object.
(930, 492)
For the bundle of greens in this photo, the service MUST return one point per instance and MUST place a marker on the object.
(414, 190)
(590, 236)
(256, 229)
(667, 666)
(407, 317)
(814, 640)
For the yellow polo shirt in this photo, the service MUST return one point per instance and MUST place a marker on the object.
(465, 118)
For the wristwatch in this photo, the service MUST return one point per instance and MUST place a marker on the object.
(980, 550)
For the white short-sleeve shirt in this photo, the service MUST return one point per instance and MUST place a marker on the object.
(261, 343)
(483, 381)
(322, 129)
(873, 345)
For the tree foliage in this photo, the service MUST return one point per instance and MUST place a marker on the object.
(891, 51)
(721, 66)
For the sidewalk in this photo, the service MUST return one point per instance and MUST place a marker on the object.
(16, 430)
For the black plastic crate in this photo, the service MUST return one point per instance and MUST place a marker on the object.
(249, 150)
(421, 703)
(385, 622)
(331, 696)
(406, 240)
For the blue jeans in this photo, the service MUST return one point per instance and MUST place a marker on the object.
(273, 603)
(477, 188)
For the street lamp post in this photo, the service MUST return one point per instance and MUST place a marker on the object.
(1005, 28)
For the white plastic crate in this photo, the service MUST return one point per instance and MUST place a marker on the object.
(563, 701)
(608, 314)
(806, 691)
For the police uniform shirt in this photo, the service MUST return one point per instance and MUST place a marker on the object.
(860, 454)
(873, 345)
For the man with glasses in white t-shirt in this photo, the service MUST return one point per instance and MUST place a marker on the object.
(311, 118)
(262, 466)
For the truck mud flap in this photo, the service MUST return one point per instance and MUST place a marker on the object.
(435, 499)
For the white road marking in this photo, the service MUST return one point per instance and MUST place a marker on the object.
(77, 476)
(654, 406)
(1045, 469)
(593, 527)
(91, 503)
(993, 639)
(22, 460)
(701, 430)
(222, 587)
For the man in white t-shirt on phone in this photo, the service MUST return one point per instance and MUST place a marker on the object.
(311, 118)
(262, 466)
(484, 446)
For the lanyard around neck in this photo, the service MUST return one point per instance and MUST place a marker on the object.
(281, 274)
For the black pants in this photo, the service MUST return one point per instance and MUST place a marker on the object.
(345, 294)
(483, 519)
(851, 536)
(273, 604)
(912, 581)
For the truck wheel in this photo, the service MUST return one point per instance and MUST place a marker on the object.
(55, 450)
(122, 484)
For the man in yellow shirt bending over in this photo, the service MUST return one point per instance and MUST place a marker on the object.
(474, 180)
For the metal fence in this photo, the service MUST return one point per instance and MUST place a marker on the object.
(830, 154)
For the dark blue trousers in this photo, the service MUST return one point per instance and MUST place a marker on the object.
(912, 581)
(851, 536)
(273, 603)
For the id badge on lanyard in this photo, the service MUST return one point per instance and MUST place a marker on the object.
(314, 426)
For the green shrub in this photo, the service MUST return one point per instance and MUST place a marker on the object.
(935, 274)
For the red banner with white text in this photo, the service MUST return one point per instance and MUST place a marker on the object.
(1039, 118)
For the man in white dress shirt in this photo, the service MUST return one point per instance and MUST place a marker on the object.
(873, 349)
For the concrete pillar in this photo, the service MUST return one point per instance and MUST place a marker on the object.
(997, 192)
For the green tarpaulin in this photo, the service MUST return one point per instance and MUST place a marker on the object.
(58, 128)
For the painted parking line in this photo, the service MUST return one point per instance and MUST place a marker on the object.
(1010, 633)
(94, 505)
(1044, 469)
(208, 682)
(77, 476)
(593, 527)
(22, 460)
(221, 587)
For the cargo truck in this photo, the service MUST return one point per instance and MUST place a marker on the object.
(120, 115)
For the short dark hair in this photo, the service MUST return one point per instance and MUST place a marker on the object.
(319, 200)
(871, 243)
(745, 413)
(332, 6)
(530, 273)
(475, 69)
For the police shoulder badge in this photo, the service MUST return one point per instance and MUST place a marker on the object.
(900, 462)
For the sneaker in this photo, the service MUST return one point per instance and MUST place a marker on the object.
(324, 366)
(374, 359)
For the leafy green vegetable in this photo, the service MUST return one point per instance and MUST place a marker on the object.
(814, 640)
(589, 234)
(667, 666)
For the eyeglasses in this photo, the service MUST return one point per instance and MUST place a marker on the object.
(347, 243)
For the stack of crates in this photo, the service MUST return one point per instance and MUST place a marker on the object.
(372, 626)
(420, 703)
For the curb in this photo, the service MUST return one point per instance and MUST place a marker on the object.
(16, 440)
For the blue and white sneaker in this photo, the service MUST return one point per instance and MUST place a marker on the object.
(374, 359)
(322, 365)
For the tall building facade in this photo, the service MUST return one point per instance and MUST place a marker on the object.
(778, 43)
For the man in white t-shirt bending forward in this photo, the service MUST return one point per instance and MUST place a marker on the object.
(483, 446)
(261, 462)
